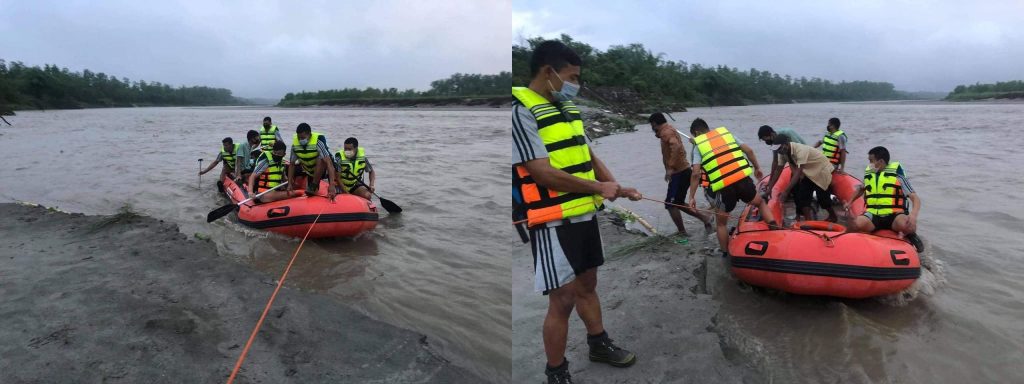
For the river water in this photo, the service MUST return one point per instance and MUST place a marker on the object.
(962, 322)
(438, 268)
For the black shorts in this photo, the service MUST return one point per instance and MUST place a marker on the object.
(805, 191)
(678, 185)
(563, 252)
(725, 199)
(882, 222)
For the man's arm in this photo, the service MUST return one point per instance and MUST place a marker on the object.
(544, 174)
(601, 172)
(776, 172)
(914, 210)
(212, 165)
(753, 160)
(694, 182)
(796, 174)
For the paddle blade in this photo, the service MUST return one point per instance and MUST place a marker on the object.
(389, 205)
(220, 212)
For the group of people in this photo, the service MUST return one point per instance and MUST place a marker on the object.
(559, 184)
(258, 165)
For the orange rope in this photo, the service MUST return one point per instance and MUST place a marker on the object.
(255, 330)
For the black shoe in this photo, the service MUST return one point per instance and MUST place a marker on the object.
(915, 241)
(603, 351)
(559, 374)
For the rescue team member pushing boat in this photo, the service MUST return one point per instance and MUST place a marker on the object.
(269, 134)
(725, 160)
(268, 173)
(677, 172)
(811, 175)
(310, 153)
(833, 145)
(887, 190)
(226, 156)
(351, 164)
(558, 185)
(768, 135)
(246, 156)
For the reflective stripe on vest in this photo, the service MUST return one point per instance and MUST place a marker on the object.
(308, 153)
(561, 130)
(721, 158)
(268, 137)
(272, 176)
(830, 146)
(883, 192)
(350, 170)
(229, 158)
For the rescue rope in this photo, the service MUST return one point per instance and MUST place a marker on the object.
(280, 282)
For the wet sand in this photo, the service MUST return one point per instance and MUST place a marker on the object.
(129, 299)
(655, 303)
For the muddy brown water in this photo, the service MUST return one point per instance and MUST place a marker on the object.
(962, 322)
(440, 268)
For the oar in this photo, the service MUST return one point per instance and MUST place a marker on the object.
(200, 174)
(222, 211)
(388, 205)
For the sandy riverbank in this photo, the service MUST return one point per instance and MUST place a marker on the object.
(129, 299)
(655, 302)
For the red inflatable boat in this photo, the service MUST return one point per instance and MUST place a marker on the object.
(820, 258)
(347, 216)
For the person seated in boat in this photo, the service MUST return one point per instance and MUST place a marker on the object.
(729, 164)
(246, 157)
(226, 156)
(677, 172)
(268, 173)
(833, 145)
(351, 164)
(310, 154)
(886, 191)
(269, 133)
(810, 177)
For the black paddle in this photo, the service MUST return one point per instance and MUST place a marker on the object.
(223, 211)
(388, 205)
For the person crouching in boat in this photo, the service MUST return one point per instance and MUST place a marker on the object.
(811, 175)
(310, 154)
(246, 156)
(725, 160)
(269, 173)
(352, 164)
(887, 190)
(225, 157)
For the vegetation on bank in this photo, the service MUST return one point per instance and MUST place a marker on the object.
(1000, 90)
(457, 89)
(50, 87)
(663, 82)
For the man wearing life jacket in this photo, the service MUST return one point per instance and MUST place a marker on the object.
(833, 145)
(269, 171)
(558, 185)
(352, 164)
(886, 191)
(269, 134)
(310, 154)
(226, 156)
(246, 156)
(810, 177)
(677, 172)
(728, 163)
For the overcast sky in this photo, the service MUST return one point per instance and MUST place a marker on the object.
(261, 48)
(916, 45)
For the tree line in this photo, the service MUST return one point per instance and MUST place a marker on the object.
(663, 81)
(52, 87)
(1000, 90)
(457, 85)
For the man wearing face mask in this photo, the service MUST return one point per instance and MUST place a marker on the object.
(225, 157)
(269, 134)
(811, 176)
(352, 164)
(268, 173)
(833, 145)
(887, 190)
(558, 185)
(310, 153)
(247, 155)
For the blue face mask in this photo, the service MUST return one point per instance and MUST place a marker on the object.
(569, 90)
(303, 142)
